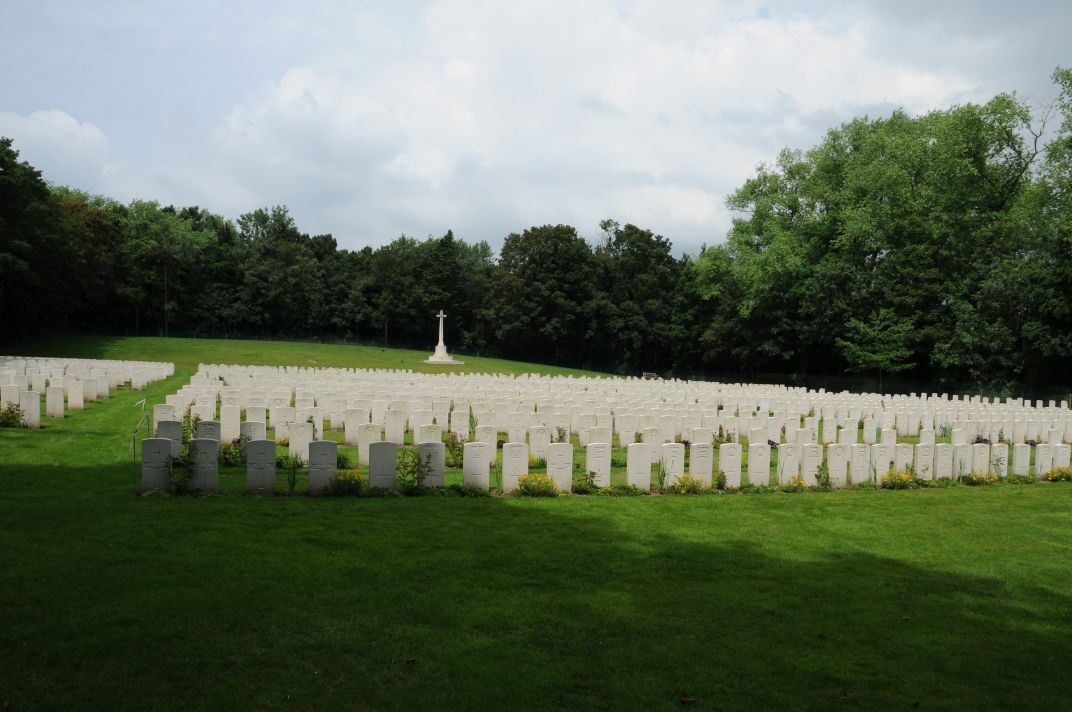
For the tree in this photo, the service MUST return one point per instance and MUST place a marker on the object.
(540, 291)
(879, 344)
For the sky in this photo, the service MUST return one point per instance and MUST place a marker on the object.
(370, 120)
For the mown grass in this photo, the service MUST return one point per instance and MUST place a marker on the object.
(934, 599)
(186, 354)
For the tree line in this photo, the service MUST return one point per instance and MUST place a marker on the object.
(935, 247)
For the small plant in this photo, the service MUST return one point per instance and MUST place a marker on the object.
(584, 482)
(231, 453)
(283, 442)
(343, 460)
(290, 464)
(687, 484)
(866, 486)
(660, 477)
(180, 476)
(12, 416)
(455, 451)
(722, 437)
(618, 462)
(822, 477)
(411, 472)
(899, 479)
(537, 463)
(718, 482)
(560, 434)
(346, 483)
(537, 485)
(796, 483)
(1018, 480)
(625, 491)
(979, 479)
(1059, 474)
(638, 437)
(939, 483)
(467, 491)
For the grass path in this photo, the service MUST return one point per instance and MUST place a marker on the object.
(187, 353)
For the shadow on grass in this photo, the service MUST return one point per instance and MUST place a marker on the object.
(224, 602)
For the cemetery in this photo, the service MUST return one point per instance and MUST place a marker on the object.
(535, 356)
(625, 432)
(494, 432)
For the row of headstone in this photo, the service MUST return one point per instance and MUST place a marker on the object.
(401, 402)
(158, 455)
(68, 384)
(846, 464)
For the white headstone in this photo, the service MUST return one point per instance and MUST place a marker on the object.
(597, 461)
(1021, 459)
(475, 463)
(203, 464)
(433, 458)
(383, 464)
(860, 463)
(260, 465)
(837, 464)
(729, 463)
(943, 460)
(701, 461)
(515, 464)
(155, 464)
(54, 402)
(638, 465)
(367, 434)
(759, 460)
(560, 465)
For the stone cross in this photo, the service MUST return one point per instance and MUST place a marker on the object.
(441, 316)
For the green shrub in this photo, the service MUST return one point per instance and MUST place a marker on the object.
(411, 472)
(346, 483)
(537, 485)
(11, 416)
(290, 464)
(1018, 480)
(180, 476)
(796, 483)
(467, 491)
(822, 477)
(538, 463)
(687, 484)
(939, 482)
(899, 479)
(584, 482)
(625, 491)
(231, 453)
(455, 450)
(343, 460)
(865, 486)
(979, 479)
(1059, 474)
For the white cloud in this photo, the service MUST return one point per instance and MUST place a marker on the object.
(66, 150)
(488, 117)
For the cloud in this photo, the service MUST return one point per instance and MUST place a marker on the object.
(488, 117)
(66, 150)
(558, 113)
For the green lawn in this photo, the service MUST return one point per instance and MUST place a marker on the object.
(954, 598)
(187, 353)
